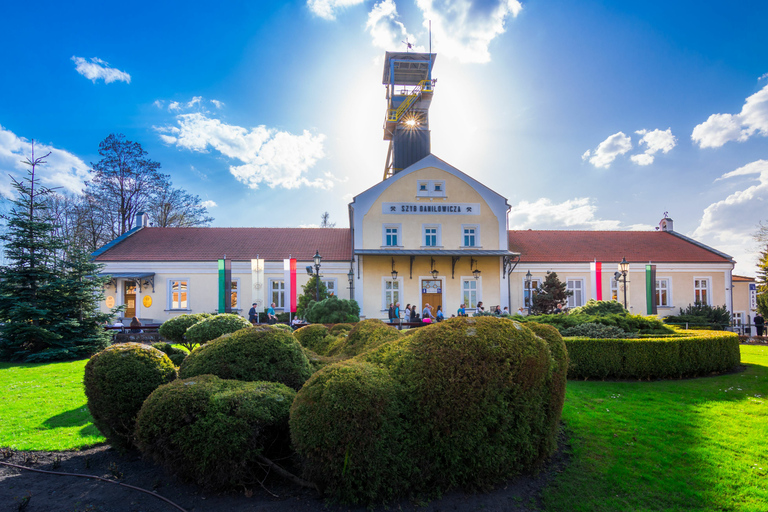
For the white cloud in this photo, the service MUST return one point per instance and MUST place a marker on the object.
(572, 214)
(274, 158)
(327, 9)
(728, 224)
(586, 155)
(607, 151)
(764, 76)
(196, 101)
(463, 29)
(98, 69)
(655, 141)
(63, 169)
(217, 103)
(159, 104)
(722, 128)
(209, 204)
(173, 106)
(385, 29)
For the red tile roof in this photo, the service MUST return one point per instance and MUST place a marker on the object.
(742, 279)
(585, 246)
(206, 244)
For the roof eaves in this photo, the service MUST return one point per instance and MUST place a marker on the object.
(703, 246)
(104, 248)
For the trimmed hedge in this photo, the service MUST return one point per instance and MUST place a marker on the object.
(366, 335)
(628, 323)
(214, 326)
(174, 329)
(212, 431)
(311, 337)
(177, 355)
(117, 381)
(698, 353)
(251, 354)
(341, 328)
(466, 402)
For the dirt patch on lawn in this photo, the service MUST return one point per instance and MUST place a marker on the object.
(49, 493)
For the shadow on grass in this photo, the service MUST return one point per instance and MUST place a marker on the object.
(650, 445)
(78, 416)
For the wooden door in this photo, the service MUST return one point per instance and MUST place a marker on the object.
(432, 293)
(129, 299)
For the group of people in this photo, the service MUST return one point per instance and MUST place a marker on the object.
(253, 316)
(411, 314)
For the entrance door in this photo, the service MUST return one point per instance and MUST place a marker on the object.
(130, 299)
(432, 293)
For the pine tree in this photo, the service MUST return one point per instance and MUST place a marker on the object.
(29, 280)
(310, 295)
(551, 293)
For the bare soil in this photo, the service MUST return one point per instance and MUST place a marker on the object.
(29, 491)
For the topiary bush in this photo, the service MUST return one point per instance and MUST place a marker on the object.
(348, 422)
(366, 335)
(341, 328)
(213, 431)
(117, 381)
(626, 322)
(176, 355)
(695, 353)
(251, 354)
(466, 402)
(596, 331)
(332, 310)
(599, 308)
(214, 326)
(311, 337)
(283, 327)
(174, 329)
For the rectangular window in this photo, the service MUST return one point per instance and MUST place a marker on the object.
(577, 287)
(179, 298)
(391, 236)
(423, 186)
(391, 292)
(438, 187)
(662, 293)
(430, 236)
(701, 294)
(277, 292)
(469, 295)
(469, 237)
(535, 285)
(233, 297)
(738, 318)
(331, 286)
(614, 289)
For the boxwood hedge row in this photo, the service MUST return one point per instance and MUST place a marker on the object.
(693, 353)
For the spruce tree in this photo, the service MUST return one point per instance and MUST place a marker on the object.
(310, 295)
(551, 293)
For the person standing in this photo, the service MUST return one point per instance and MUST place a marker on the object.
(408, 312)
(397, 312)
(426, 314)
(759, 324)
(439, 314)
(271, 317)
(461, 311)
(391, 313)
(252, 315)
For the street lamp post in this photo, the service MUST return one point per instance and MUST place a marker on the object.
(528, 282)
(624, 270)
(317, 259)
(351, 277)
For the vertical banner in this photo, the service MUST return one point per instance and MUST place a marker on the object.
(596, 268)
(650, 289)
(227, 285)
(257, 278)
(289, 276)
(222, 280)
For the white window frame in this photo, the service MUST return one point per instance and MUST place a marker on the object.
(478, 291)
(239, 291)
(399, 290)
(334, 282)
(476, 227)
(438, 236)
(615, 290)
(536, 283)
(279, 304)
(169, 285)
(572, 300)
(431, 188)
(668, 289)
(399, 228)
(708, 281)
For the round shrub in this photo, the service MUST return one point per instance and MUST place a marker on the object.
(474, 401)
(341, 328)
(348, 423)
(212, 431)
(214, 326)
(596, 331)
(367, 334)
(176, 355)
(117, 381)
(283, 327)
(251, 354)
(174, 329)
(599, 308)
(311, 336)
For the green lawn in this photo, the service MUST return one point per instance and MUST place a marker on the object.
(699, 444)
(43, 407)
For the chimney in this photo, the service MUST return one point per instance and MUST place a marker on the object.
(142, 220)
(666, 223)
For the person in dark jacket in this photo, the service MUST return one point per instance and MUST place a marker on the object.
(759, 324)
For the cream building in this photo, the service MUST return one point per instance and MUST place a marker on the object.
(427, 233)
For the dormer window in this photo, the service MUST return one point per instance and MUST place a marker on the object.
(431, 188)
(423, 187)
(438, 187)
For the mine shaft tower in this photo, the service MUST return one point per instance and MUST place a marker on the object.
(410, 86)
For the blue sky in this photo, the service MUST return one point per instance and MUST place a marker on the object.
(584, 114)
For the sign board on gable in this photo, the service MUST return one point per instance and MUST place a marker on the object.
(430, 208)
